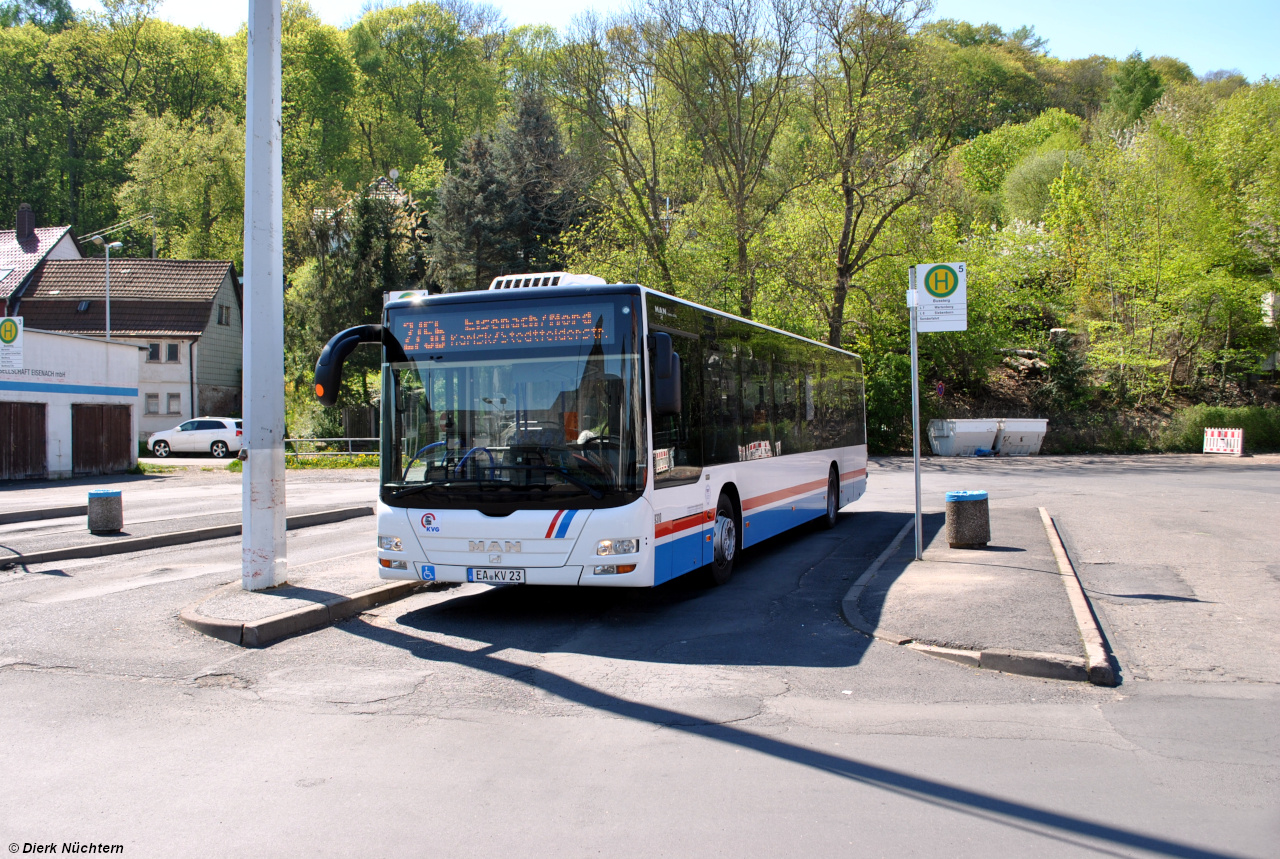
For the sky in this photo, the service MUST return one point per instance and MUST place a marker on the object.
(1229, 34)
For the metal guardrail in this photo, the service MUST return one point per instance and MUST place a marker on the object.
(330, 446)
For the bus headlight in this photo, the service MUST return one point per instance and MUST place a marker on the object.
(618, 547)
(393, 565)
(389, 544)
(613, 569)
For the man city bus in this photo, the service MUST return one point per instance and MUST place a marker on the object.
(559, 430)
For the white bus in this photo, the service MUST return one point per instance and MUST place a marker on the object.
(558, 430)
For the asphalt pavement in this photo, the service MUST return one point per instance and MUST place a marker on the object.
(746, 720)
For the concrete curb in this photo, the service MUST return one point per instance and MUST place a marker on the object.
(1097, 659)
(268, 630)
(177, 538)
(44, 513)
(1055, 666)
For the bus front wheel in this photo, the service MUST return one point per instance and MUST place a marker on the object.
(724, 542)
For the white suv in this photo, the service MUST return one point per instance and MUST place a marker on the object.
(218, 436)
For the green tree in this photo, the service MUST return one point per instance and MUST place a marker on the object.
(1137, 86)
(48, 15)
(190, 174)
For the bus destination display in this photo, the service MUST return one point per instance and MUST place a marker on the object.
(447, 329)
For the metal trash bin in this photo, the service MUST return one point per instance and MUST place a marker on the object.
(1021, 436)
(962, 437)
(106, 511)
(968, 519)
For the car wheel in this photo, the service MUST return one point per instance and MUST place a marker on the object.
(724, 542)
(833, 500)
(220, 449)
(160, 448)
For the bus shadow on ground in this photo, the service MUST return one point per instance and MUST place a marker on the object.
(782, 607)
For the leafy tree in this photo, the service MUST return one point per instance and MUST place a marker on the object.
(733, 67)
(424, 85)
(608, 83)
(190, 174)
(882, 137)
(49, 15)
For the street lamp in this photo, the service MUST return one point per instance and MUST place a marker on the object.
(102, 243)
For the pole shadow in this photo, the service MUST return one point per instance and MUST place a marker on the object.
(1063, 828)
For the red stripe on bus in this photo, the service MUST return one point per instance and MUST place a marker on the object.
(684, 523)
(552, 527)
(801, 489)
(779, 494)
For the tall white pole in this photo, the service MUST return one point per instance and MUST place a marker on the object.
(263, 539)
(915, 410)
(108, 302)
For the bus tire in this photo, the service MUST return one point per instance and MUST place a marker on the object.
(830, 518)
(725, 542)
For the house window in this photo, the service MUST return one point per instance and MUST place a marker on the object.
(224, 314)
(171, 353)
(174, 404)
(153, 353)
(153, 404)
(82, 307)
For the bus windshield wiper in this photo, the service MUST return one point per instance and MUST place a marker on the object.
(422, 487)
(562, 472)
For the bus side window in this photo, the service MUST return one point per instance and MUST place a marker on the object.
(677, 439)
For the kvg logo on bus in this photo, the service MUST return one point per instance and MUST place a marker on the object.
(429, 523)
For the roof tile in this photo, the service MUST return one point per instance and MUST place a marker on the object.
(154, 279)
(18, 258)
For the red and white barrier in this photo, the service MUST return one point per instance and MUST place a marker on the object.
(1218, 440)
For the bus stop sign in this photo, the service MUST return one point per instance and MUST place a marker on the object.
(942, 300)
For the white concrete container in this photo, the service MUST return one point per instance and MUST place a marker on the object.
(967, 437)
(1021, 436)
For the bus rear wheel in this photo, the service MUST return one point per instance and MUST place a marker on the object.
(724, 542)
(833, 500)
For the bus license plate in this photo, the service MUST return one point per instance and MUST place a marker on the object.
(495, 576)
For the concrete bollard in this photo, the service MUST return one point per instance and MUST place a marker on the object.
(106, 511)
(968, 520)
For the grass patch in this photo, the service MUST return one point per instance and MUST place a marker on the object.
(355, 460)
(148, 468)
(359, 460)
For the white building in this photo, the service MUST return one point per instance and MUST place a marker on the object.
(183, 317)
(70, 409)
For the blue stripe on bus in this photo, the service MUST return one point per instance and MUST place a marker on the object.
(564, 523)
(679, 556)
(772, 522)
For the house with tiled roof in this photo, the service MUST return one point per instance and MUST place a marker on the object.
(23, 248)
(185, 317)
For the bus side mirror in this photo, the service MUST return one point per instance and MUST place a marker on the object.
(666, 391)
(334, 355)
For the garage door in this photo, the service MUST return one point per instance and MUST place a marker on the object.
(101, 437)
(22, 445)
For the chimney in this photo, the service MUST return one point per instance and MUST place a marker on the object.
(26, 225)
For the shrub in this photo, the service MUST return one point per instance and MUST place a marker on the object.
(1186, 431)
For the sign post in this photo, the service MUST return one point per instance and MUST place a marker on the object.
(938, 301)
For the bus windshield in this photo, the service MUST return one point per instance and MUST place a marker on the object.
(516, 404)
